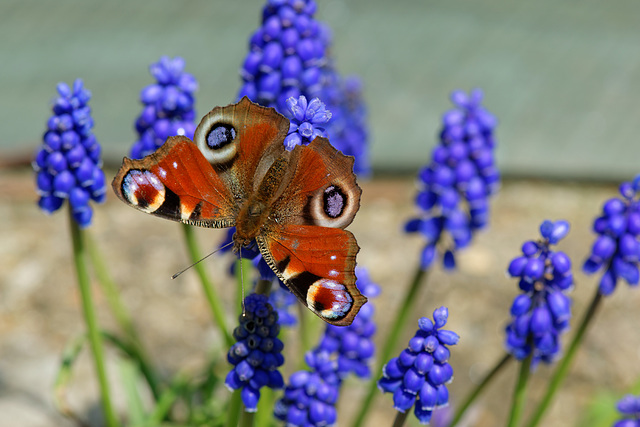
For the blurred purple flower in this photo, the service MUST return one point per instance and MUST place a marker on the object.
(168, 106)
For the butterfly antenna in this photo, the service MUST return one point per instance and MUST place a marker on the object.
(201, 259)
(241, 280)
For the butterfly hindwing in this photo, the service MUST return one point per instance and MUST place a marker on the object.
(176, 182)
(317, 264)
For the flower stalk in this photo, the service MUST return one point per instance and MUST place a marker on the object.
(91, 319)
(210, 292)
(479, 388)
(520, 392)
(122, 316)
(563, 367)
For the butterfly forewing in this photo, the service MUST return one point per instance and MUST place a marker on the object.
(177, 183)
(241, 141)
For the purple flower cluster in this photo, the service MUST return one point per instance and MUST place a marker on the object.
(257, 354)
(288, 58)
(629, 407)
(349, 129)
(168, 106)
(310, 397)
(68, 165)
(305, 121)
(420, 374)
(542, 312)
(285, 55)
(617, 247)
(458, 182)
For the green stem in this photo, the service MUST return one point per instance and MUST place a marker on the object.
(401, 417)
(79, 258)
(263, 287)
(563, 368)
(392, 339)
(235, 406)
(479, 388)
(304, 332)
(243, 269)
(121, 314)
(265, 407)
(520, 392)
(209, 290)
(246, 418)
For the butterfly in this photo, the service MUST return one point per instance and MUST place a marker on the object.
(293, 204)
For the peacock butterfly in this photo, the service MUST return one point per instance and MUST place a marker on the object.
(294, 204)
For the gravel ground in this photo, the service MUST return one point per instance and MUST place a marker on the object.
(39, 302)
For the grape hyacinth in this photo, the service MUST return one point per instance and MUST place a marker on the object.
(168, 106)
(616, 250)
(257, 354)
(288, 58)
(353, 345)
(629, 407)
(310, 397)
(418, 376)
(349, 128)
(305, 120)
(457, 184)
(285, 55)
(68, 165)
(542, 312)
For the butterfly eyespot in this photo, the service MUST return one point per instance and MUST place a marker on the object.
(220, 135)
(329, 299)
(144, 190)
(216, 139)
(333, 201)
(334, 207)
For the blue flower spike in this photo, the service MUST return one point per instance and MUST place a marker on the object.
(616, 250)
(68, 165)
(418, 376)
(168, 106)
(306, 121)
(629, 408)
(257, 354)
(456, 186)
(311, 396)
(289, 57)
(542, 312)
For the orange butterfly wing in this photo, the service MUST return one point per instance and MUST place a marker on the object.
(177, 183)
(317, 264)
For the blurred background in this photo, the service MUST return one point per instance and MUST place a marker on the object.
(563, 78)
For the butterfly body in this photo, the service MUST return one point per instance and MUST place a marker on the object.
(293, 204)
